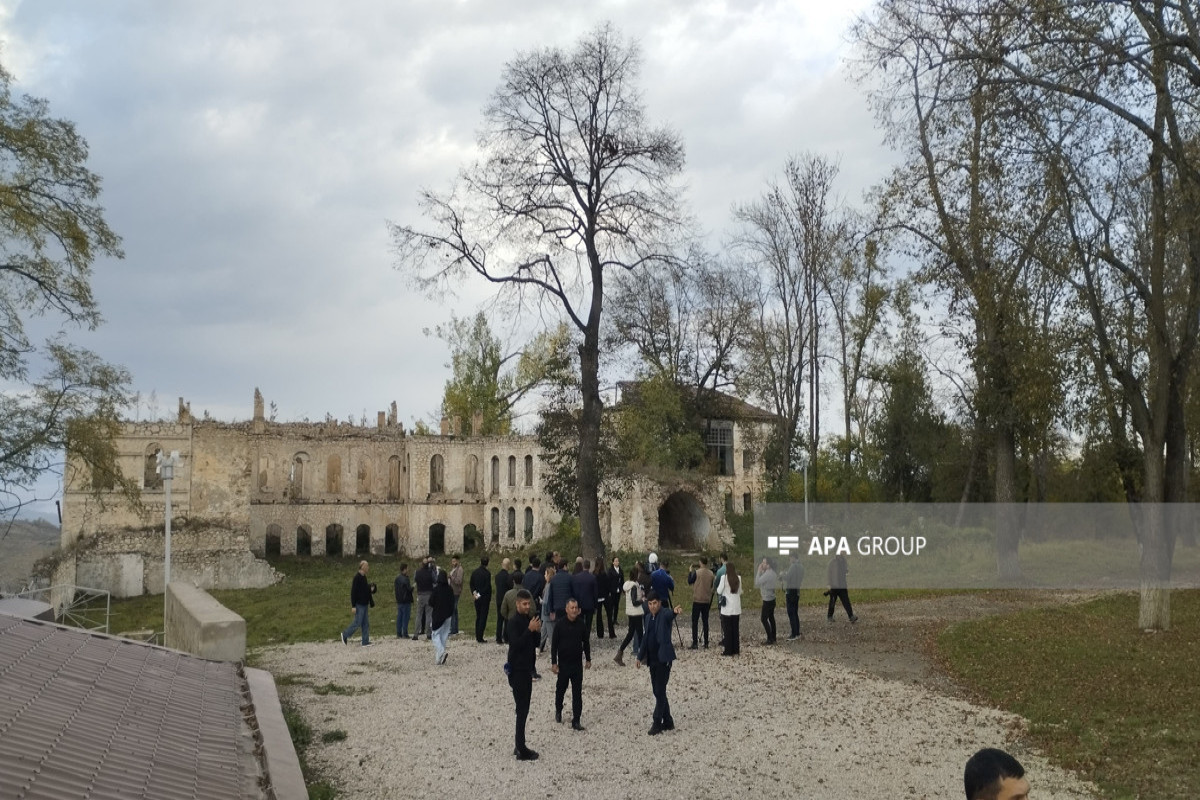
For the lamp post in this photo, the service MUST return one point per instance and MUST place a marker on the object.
(166, 469)
(804, 466)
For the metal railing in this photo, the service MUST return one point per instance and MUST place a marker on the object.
(78, 606)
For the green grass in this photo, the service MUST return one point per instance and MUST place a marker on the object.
(1103, 698)
(301, 734)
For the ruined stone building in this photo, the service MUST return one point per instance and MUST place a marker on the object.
(333, 488)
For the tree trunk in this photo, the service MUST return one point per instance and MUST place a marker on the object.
(587, 473)
(1008, 531)
(1154, 604)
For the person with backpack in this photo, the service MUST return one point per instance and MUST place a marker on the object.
(634, 611)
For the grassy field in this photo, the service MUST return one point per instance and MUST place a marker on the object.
(1120, 706)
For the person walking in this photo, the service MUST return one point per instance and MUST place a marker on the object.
(360, 600)
(658, 653)
(481, 591)
(701, 579)
(767, 581)
(634, 611)
(523, 634)
(456, 586)
(570, 655)
(441, 605)
(404, 600)
(729, 599)
(836, 574)
(791, 594)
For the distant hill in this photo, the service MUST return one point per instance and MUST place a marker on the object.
(23, 544)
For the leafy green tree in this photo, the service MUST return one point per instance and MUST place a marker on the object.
(52, 229)
(657, 427)
(487, 381)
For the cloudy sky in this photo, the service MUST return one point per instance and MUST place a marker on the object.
(252, 154)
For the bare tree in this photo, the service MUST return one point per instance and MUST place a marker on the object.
(573, 184)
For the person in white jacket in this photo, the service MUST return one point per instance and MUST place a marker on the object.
(729, 598)
(634, 610)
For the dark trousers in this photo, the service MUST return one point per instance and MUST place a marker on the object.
(454, 616)
(481, 614)
(791, 599)
(403, 612)
(610, 611)
(660, 674)
(499, 623)
(700, 612)
(768, 619)
(834, 594)
(522, 689)
(600, 621)
(424, 615)
(572, 674)
(587, 618)
(729, 629)
(635, 633)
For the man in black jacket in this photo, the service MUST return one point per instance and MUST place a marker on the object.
(360, 601)
(523, 635)
(481, 590)
(612, 605)
(570, 654)
(404, 600)
(503, 584)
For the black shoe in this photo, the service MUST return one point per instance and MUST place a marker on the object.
(558, 715)
(537, 676)
(694, 647)
(655, 730)
(706, 645)
(669, 725)
(575, 726)
(415, 638)
(525, 754)
(854, 619)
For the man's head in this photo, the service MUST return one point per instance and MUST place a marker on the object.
(535, 562)
(506, 565)
(652, 560)
(572, 609)
(549, 571)
(453, 561)
(616, 562)
(993, 774)
(524, 599)
(587, 565)
(404, 569)
(793, 557)
(704, 561)
(724, 558)
(362, 567)
(483, 562)
(652, 602)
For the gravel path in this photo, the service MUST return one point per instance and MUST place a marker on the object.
(774, 721)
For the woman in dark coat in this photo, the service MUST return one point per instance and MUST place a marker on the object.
(442, 603)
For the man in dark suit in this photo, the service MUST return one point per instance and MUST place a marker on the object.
(524, 633)
(657, 653)
(503, 584)
(616, 579)
(481, 590)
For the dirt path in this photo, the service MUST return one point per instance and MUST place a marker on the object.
(897, 640)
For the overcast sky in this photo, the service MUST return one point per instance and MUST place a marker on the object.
(252, 154)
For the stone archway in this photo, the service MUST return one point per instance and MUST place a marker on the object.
(437, 539)
(682, 523)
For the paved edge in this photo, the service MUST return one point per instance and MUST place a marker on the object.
(279, 754)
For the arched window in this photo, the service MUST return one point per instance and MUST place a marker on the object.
(273, 544)
(151, 479)
(495, 475)
(333, 474)
(529, 470)
(471, 478)
(391, 539)
(495, 523)
(364, 475)
(436, 474)
(333, 540)
(264, 473)
(303, 541)
(296, 479)
(512, 470)
(528, 524)
(362, 540)
(512, 522)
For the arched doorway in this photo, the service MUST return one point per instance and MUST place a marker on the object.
(437, 539)
(303, 541)
(333, 540)
(362, 540)
(682, 523)
(274, 543)
(391, 539)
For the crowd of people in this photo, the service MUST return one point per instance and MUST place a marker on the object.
(550, 603)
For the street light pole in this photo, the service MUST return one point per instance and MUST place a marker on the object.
(166, 468)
